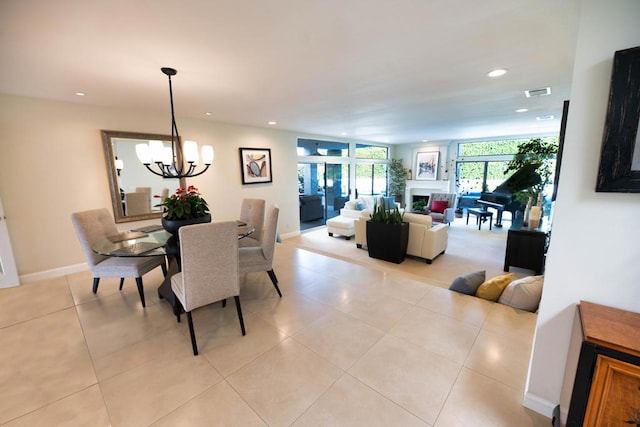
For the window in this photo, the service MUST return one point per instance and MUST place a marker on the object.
(314, 147)
(481, 164)
(372, 152)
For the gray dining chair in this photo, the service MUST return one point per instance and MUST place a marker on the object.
(252, 212)
(209, 273)
(257, 259)
(94, 225)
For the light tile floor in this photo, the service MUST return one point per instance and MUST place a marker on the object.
(346, 345)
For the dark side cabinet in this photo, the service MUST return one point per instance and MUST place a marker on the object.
(526, 247)
(606, 389)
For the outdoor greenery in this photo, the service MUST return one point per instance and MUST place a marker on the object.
(380, 214)
(397, 177)
(470, 173)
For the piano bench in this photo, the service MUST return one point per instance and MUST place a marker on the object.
(481, 216)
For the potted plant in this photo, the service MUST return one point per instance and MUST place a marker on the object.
(538, 156)
(387, 234)
(185, 207)
(397, 179)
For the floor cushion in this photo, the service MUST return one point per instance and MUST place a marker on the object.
(468, 283)
(523, 294)
(492, 288)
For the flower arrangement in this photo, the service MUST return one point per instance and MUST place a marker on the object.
(184, 204)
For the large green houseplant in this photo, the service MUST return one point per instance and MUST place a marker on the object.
(539, 157)
(397, 179)
(387, 234)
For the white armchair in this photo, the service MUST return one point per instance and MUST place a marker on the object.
(426, 240)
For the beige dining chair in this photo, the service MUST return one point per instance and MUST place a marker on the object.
(137, 203)
(94, 225)
(209, 273)
(257, 259)
(252, 212)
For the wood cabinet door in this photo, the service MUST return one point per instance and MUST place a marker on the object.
(614, 399)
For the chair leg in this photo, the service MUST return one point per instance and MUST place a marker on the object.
(274, 279)
(121, 283)
(140, 290)
(237, 298)
(95, 284)
(177, 308)
(164, 269)
(193, 334)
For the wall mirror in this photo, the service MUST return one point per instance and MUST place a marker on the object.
(132, 185)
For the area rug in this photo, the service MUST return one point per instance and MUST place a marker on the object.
(468, 250)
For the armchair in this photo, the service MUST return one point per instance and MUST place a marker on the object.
(441, 211)
(426, 240)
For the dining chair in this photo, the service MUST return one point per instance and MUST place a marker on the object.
(209, 273)
(257, 259)
(252, 212)
(94, 225)
(137, 203)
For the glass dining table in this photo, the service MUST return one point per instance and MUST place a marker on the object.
(154, 241)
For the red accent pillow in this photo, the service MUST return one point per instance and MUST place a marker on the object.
(439, 206)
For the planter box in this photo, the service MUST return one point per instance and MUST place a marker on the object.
(387, 242)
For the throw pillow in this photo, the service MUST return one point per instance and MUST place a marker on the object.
(359, 206)
(492, 288)
(389, 202)
(439, 206)
(468, 283)
(351, 204)
(524, 293)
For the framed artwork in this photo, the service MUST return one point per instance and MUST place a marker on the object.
(427, 165)
(255, 165)
(619, 170)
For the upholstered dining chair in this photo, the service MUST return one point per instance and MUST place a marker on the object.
(209, 273)
(94, 225)
(257, 259)
(252, 212)
(137, 203)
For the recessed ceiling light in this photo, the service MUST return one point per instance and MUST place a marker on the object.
(80, 93)
(344, 134)
(546, 117)
(273, 123)
(208, 113)
(522, 110)
(497, 72)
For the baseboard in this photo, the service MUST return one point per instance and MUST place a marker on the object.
(539, 405)
(290, 235)
(56, 272)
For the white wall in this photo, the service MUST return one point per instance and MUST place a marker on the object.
(594, 253)
(52, 164)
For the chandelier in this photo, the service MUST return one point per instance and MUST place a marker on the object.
(168, 162)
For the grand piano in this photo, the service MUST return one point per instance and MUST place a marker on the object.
(501, 199)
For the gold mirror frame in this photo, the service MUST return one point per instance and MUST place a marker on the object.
(109, 139)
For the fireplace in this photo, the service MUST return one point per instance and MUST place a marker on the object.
(417, 198)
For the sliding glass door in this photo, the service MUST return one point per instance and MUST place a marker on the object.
(323, 188)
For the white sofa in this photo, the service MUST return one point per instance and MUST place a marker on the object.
(426, 239)
(344, 224)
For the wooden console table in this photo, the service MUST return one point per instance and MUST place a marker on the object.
(606, 391)
(526, 247)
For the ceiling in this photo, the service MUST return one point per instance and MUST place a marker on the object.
(393, 71)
